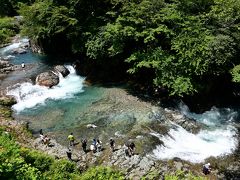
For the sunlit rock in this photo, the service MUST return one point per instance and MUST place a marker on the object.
(48, 79)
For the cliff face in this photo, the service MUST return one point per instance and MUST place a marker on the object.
(56, 45)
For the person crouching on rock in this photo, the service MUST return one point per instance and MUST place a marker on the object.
(206, 168)
(46, 140)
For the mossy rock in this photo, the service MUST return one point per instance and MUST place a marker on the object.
(5, 112)
(7, 100)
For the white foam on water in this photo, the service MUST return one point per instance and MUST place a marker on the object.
(13, 46)
(213, 117)
(218, 140)
(29, 95)
(10, 47)
(195, 148)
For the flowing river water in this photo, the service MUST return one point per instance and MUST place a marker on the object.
(71, 105)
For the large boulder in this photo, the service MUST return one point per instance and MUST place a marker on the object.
(48, 79)
(62, 69)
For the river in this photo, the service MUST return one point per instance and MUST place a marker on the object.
(71, 105)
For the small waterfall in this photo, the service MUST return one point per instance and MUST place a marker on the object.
(219, 139)
(10, 47)
(29, 95)
(7, 49)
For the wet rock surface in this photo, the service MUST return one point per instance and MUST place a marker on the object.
(47, 79)
(61, 69)
(5, 66)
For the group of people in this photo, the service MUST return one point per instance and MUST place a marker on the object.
(95, 146)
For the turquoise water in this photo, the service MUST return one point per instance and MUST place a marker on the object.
(63, 116)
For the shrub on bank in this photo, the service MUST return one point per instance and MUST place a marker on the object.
(8, 29)
(102, 173)
(180, 175)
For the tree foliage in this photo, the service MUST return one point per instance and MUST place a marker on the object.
(8, 28)
(179, 41)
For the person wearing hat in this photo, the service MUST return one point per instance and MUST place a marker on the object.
(206, 168)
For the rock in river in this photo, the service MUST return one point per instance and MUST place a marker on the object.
(48, 79)
(62, 69)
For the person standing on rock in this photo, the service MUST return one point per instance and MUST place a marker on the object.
(23, 65)
(71, 139)
(69, 154)
(112, 144)
(84, 145)
(41, 135)
(131, 148)
(99, 145)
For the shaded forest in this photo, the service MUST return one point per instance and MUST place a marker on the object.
(185, 46)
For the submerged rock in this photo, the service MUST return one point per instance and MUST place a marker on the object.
(48, 79)
(62, 69)
(91, 126)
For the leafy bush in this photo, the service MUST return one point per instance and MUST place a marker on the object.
(38, 160)
(8, 28)
(12, 165)
(180, 175)
(63, 169)
(102, 173)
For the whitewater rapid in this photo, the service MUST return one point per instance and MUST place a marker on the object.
(8, 49)
(218, 139)
(30, 95)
